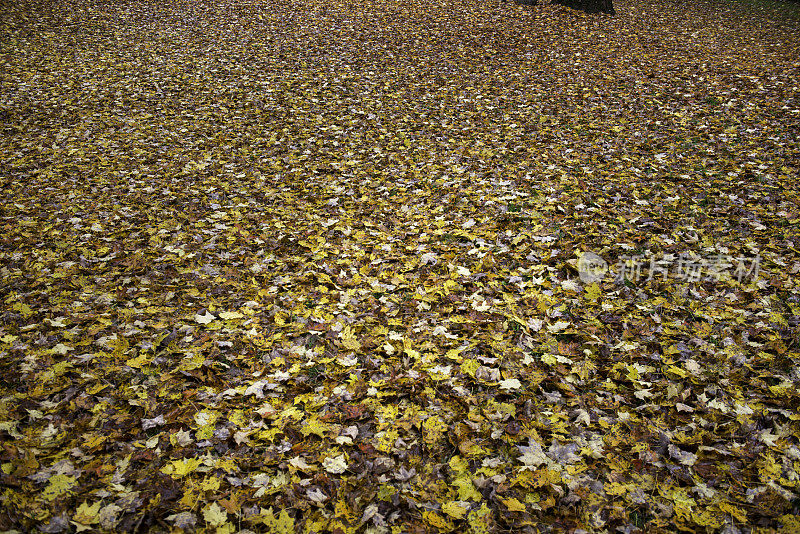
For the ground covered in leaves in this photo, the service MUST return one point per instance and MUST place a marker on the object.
(316, 266)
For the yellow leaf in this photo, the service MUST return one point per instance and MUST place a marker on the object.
(314, 426)
(458, 464)
(22, 308)
(87, 515)
(777, 318)
(737, 512)
(672, 371)
(706, 519)
(204, 432)
(454, 354)
(283, 524)
(593, 292)
(480, 520)
(139, 361)
(791, 523)
(433, 429)
(456, 509)
(435, 520)
(57, 486)
(549, 359)
(386, 439)
(238, 418)
(97, 388)
(616, 489)
(466, 489)
(513, 505)
(349, 340)
(121, 346)
(181, 468)
(215, 515)
(210, 484)
(470, 367)
(408, 349)
(544, 477)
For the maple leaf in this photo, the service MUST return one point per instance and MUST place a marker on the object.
(87, 514)
(532, 455)
(336, 465)
(215, 515)
(456, 509)
(380, 239)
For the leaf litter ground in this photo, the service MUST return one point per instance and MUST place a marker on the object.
(316, 266)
